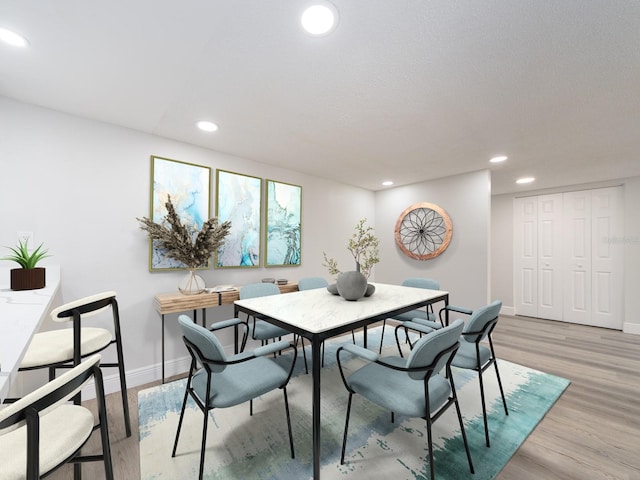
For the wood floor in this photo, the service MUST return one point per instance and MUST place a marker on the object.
(592, 432)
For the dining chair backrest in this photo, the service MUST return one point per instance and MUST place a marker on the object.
(479, 320)
(430, 346)
(204, 340)
(310, 283)
(254, 290)
(426, 283)
(85, 307)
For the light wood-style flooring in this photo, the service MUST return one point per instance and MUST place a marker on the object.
(592, 432)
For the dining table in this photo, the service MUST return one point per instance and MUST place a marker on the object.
(318, 315)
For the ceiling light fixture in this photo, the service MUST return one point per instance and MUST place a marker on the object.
(498, 159)
(207, 126)
(387, 183)
(523, 180)
(320, 18)
(13, 38)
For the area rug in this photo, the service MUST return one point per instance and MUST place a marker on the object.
(246, 447)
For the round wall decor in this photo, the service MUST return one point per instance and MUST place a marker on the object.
(423, 231)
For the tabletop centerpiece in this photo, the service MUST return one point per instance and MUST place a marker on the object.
(363, 245)
(186, 244)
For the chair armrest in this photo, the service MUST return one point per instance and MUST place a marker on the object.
(226, 323)
(455, 308)
(361, 352)
(271, 348)
(419, 327)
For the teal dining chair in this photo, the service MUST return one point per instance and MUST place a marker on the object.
(218, 381)
(424, 316)
(476, 350)
(414, 387)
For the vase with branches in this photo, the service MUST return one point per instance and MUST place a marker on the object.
(363, 246)
(186, 244)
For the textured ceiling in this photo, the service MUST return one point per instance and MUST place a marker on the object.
(407, 90)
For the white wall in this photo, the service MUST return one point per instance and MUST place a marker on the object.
(79, 185)
(463, 268)
(502, 247)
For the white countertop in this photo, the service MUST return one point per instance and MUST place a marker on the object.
(21, 313)
(318, 310)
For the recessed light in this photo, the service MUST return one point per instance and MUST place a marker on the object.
(207, 126)
(320, 18)
(13, 38)
(498, 159)
(524, 180)
(387, 183)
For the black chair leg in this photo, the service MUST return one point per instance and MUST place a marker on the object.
(464, 435)
(504, 400)
(346, 428)
(184, 405)
(430, 446)
(484, 408)
(204, 442)
(286, 407)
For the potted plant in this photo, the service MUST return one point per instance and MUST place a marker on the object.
(28, 276)
(363, 245)
(187, 245)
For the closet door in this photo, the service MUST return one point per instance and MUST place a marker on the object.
(607, 264)
(525, 262)
(550, 291)
(577, 238)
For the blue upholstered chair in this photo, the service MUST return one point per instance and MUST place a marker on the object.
(414, 387)
(42, 431)
(473, 354)
(261, 329)
(424, 316)
(218, 381)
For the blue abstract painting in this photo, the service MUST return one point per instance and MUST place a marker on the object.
(190, 188)
(239, 200)
(284, 208)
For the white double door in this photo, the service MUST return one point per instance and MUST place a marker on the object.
(568, 259)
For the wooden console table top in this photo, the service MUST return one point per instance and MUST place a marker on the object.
(175, 302)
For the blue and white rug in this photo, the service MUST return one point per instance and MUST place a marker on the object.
(243, 447)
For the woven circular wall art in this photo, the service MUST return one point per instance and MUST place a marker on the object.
(423, 231)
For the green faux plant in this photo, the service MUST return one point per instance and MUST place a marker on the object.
(22, 256)
(363, 245)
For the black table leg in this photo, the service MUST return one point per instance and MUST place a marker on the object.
(162, 315)
(316, 344)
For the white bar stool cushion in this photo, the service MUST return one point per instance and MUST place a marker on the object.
(56, 346)
(62, 431)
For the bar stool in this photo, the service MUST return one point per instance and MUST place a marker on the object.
(65, 348)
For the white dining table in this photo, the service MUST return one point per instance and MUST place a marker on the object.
(318, 315)
(21, 314)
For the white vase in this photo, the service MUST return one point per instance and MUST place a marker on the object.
(191, 284)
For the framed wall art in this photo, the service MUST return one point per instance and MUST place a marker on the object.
(239, 200)
(190, 188)
(283, 232)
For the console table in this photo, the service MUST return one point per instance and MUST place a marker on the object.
(175, 302)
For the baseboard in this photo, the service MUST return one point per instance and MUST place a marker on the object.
(632, 328)
(507, 311)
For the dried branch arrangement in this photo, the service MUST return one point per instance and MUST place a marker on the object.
(178, 240)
